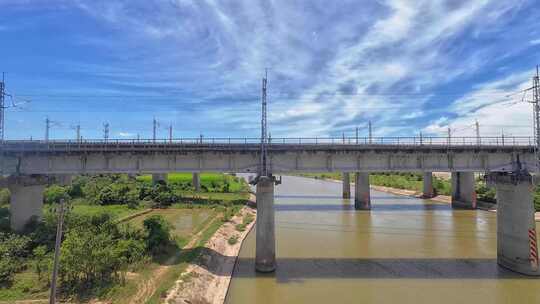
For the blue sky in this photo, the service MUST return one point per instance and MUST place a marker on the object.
(408, 66)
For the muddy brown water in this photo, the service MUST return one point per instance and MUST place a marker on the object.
(404, 250)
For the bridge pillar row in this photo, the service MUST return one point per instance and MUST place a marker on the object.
(517, 247)
(159, 177)
(196, 180)
(428, 191)
(265, 254)
(463, 190)
(362, 197)
(346, 185)
(26, 200)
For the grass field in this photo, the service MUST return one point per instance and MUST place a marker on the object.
(185, 222)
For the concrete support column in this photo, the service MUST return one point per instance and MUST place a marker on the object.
(265, 255)
(362, 198)
(428, 185)
(26, 200)
(463, 190)
(517, 249)
(346, 185)
(159, 177)
(196, 181)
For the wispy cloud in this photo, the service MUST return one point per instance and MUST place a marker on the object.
(404, 65)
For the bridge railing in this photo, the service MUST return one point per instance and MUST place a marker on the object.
(390, 141)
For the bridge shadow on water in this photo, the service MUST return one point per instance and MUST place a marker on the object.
(325, 197)
(374, 207)
(295, 269)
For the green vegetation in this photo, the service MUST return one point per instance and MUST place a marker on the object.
(109, 232)
(246, 220)
(233, 240)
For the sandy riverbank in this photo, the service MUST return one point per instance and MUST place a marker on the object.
(208, 279)
(438, 198)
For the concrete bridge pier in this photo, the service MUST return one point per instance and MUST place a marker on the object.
(346, 185)
(428, 191)
(159, 177)
(265, 254)
(26, 200)
(517, 247)
(362, 197)
(463, 190)
(196, 180)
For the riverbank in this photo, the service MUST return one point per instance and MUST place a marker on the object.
(439, 198)
(207, 279)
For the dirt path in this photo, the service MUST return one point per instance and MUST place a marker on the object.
(147, 288)
(208, 279)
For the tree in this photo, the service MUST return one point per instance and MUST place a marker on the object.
(13, 248)
(158, 233)
(42, 261)
(54, 193)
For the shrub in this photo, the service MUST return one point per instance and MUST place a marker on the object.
(13, 249)
(4, 196)
(158, 233)
(53, 194)
(42, 261)
(233, 240)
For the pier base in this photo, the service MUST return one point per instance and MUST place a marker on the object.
(265, 255)
(362, 197)
(346, 185)
(517, 249)
(26, 201)
(196, 180)
(428, 191)
(463, 191)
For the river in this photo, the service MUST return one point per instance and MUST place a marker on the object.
(404, 250)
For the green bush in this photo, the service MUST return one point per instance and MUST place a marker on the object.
(4, 196)
(158, 233)
(13, 249)
(54, 193)
(42, 261)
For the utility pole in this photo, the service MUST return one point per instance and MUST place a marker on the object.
(370, 132)
(536, 102)
(77, 129)
(263, 170)
(356, 135)
(477, 129)
(2, 106)
(343, 137)
(47, 128)
(536, 109)
(154, 130)
(106, 131)
(449, 136)
(52, 298)
(170, 133)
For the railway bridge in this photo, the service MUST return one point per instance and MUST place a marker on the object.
(28, 166)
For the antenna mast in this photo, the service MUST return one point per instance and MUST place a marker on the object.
(2, 107)
(263, 170)
(536, 105)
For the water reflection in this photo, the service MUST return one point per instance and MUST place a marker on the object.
(404, 250)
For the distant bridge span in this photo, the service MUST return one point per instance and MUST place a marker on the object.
(286, 155)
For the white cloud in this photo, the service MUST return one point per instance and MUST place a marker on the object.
(126, 134)
(383, 62)
(498, 106)
(535, 42)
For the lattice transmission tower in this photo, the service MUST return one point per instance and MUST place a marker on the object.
(263, 169)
